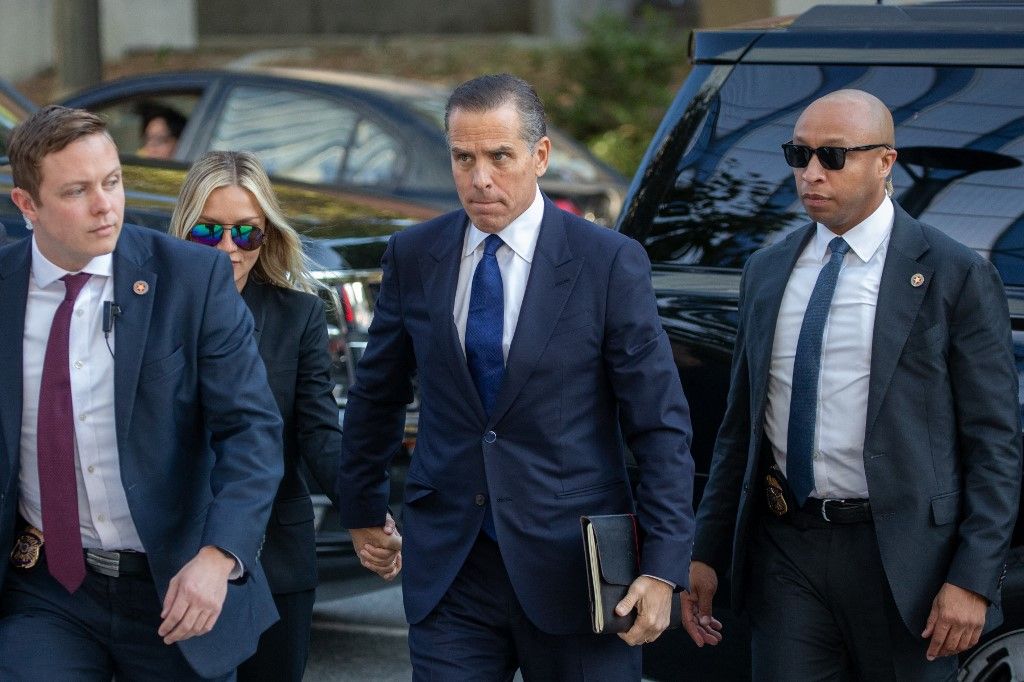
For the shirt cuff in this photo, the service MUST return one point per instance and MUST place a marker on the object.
(667, 582)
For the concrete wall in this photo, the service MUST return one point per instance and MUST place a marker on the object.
(26, 30)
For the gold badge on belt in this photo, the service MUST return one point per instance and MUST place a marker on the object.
(776, 496)
(26, 549)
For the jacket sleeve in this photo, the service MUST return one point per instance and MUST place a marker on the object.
(242, 419)
(653, 413)
(716, 517)
(315, 412)
(375, 414)
(983, 376)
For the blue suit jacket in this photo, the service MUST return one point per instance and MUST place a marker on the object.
(185, 362)
(942, 449)
(588, 373)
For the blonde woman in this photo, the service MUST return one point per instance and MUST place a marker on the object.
(227, 203)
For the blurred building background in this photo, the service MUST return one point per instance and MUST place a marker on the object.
(27, 43)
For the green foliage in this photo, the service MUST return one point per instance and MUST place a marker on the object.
(618, 82)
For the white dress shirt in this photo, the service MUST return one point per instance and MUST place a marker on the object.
(103, 514)
(514, 260)
(838, 448)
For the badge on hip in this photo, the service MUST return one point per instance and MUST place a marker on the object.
(26, 549)
(776, 495)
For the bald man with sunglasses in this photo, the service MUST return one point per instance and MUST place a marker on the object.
(866, 475)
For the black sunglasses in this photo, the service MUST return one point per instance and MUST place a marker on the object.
(245, 237)
(832, 158)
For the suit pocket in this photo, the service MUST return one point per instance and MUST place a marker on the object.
(925, 341)
(573, 322)
(946, 508)
(281, 365)
(416, 490)
(591, 489)
(164, 367)
(294, 511)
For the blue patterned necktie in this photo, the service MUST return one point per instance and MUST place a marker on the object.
(484, 325)
(803, 402)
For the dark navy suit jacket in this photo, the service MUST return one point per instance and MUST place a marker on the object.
(942, 449)
(185, 365)
(589, 372)
(291, 331)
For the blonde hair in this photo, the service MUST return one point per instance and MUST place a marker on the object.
(281, 261)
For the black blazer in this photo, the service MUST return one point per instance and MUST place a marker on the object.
(291, 332)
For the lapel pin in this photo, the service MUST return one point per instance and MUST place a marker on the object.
(141, 287)
(917, 279)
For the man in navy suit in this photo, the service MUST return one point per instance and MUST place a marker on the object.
(148, 566)
(539, 355)
(867, 471)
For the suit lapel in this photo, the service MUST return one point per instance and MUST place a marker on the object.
(254, 293)
(132, 327)
(552, 276)
(764, 303)
(14, 274)
(898, 305)
(439, 268)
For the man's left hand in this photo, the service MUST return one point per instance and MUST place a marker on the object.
(195, 596)
(956, 621)
(652, 599)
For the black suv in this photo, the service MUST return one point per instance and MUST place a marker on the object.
(713, 187)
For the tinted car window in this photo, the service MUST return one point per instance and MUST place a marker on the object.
(305, 137)
(960, 135)
(124, 117)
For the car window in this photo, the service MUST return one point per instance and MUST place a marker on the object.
(373, 158)
(959, 133)
(307, 138)
(126, 118)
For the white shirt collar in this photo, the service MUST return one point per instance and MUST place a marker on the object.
(45, 273)
(864, 238)
(520, 235)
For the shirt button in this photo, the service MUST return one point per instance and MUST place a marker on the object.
(490, 437)
(92, 469)
(82, 417)
(480, 500)
(79, 364)
(101, 518)
(79, 312)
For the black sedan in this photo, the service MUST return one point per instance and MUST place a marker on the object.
(332, 129)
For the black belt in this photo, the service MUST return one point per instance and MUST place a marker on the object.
(838, 511)
(116, 564)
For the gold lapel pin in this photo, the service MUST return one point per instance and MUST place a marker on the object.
(141, 287)
(917, 280)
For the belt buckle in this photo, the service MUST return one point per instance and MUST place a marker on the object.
(824, 509)
(104, 562)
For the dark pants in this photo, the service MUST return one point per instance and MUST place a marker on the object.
(107, 628)
(479, 632)
(283, 649)
(821, 608)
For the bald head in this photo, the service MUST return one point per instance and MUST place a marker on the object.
(865, 116)
(860, 123)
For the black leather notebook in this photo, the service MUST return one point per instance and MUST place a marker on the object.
(611, 546)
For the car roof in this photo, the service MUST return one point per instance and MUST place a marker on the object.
(987, 32)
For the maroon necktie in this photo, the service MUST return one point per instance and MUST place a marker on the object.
(55, 449)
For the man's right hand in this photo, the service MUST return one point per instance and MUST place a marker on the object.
(697, 619)
(379, 548)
